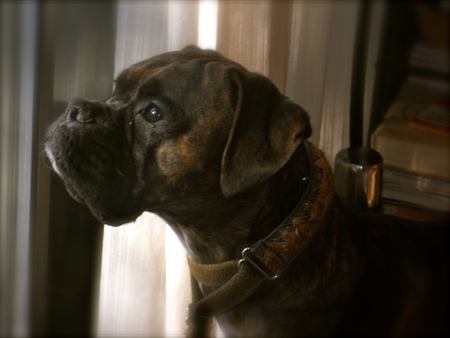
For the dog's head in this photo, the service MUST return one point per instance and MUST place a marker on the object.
(180, 127)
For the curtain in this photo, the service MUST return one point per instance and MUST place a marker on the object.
(18, 72)
(305, 47)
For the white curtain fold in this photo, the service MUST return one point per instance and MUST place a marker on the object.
(334, 129)
(305, 47)
(18, 74)
(143, 288)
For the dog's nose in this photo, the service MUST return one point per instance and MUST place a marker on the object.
(84, 111)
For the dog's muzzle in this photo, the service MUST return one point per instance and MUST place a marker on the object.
(88, 148)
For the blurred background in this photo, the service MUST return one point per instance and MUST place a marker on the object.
(64, 274)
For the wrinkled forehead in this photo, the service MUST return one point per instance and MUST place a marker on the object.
(177, 65)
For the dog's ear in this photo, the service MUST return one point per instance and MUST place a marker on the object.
(267, 129)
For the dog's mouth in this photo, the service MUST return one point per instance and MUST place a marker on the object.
(110, 212)
(106, 184)
(72, 192)
(115, 222)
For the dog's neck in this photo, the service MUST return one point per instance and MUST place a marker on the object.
(225, 226)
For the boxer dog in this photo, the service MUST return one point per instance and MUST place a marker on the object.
(223, 158)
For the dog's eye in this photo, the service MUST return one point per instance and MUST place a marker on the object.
(152, 114)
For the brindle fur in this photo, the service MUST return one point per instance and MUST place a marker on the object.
(224, 168)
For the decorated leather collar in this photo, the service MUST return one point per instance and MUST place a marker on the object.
(272, 254)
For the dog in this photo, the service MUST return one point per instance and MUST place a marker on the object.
(224, 158)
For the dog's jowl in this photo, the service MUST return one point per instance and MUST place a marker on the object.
(223, 158)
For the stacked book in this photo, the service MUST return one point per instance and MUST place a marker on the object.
(414, 140)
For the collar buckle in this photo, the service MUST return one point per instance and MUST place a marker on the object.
(260, 266)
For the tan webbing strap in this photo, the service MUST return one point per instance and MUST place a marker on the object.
(199, 325)
(213, 274)
(196, 293)
(238, 288)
